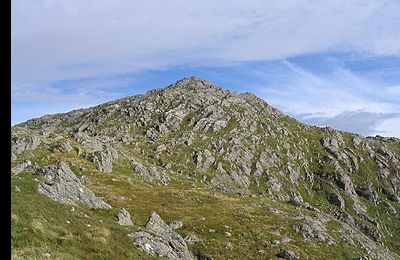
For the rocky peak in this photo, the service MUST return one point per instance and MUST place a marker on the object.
(193, 82)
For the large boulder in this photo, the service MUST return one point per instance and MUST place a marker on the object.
(159, 239)
(62, 185)
(103, 160)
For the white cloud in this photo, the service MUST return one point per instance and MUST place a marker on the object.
(63, 39)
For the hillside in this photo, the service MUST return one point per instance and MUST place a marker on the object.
(234, 177)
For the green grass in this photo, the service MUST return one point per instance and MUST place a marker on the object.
(40, 225)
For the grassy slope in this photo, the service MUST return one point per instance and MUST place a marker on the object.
(40, 225)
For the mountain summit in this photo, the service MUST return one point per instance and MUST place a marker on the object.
(238, 178)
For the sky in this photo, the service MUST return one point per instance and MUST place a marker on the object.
(327, 63)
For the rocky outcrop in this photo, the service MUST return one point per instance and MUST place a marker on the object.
(159, 239)
(203, 160)
(20, 144)
(210, 124)
(63, 186)
(313, 229)
(353, 236)
(149, 173)
(102, 159)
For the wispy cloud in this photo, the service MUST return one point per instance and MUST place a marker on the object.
(331, 93)
(54, 40)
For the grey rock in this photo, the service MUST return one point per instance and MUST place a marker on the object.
(150, 173)
(203, 160)
(274, 184)
(210, 124)
(158, 239)
(369, 231)
(392, 210)
(219, 125)
(297, 199)
(103, 160)
(188, 137)
(20, 144)
(124, 218)
(313, 229)
(294, 174)
(356, 141)
(63, 186)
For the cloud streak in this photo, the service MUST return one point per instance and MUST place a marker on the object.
(54, 40)
(362, 122)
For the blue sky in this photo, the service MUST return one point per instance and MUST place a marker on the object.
(334, 63)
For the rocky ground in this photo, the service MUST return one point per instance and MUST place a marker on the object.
(193, 171)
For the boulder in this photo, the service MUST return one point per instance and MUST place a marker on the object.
(124, 218)
(102, 160)
(62, 185)
(193, 239)
(159, 239)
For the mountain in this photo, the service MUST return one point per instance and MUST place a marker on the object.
(234, 177)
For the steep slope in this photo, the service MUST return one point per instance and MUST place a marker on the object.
(195, 151)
